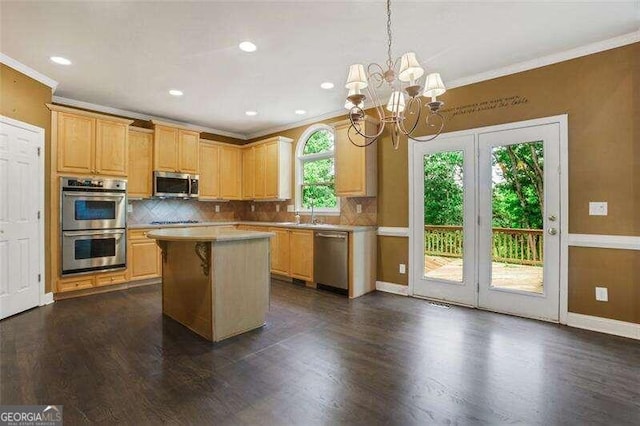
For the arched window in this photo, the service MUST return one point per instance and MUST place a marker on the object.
(315, 171)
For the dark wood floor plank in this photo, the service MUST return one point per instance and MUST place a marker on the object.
(321, 359)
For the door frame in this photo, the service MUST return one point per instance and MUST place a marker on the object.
(40, 132)
(562, 121)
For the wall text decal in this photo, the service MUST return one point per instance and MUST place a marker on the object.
(485, 105)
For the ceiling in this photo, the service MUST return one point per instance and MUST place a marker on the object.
(127, 55)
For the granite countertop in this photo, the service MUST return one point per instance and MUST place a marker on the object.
(320, 227)
(206, 233)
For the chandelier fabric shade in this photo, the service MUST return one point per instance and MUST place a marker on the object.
(410, 69)
(433, 86)
(396, 102)
(357, 79)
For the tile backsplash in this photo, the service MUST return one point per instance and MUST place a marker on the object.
(147, 211)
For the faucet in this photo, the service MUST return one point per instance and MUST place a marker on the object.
(313, 212)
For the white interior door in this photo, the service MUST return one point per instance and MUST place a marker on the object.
(443, 220)
(21, 198)
(519, 263)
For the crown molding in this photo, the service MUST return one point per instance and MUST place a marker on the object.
(554, 58)
(308, 121)
(29, 72)
(146, 117)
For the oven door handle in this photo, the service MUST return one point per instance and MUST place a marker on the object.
(92, 233)
(94, 195)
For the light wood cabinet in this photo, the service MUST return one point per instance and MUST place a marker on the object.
(355, 167)
(267, 170)
(89, 145)
(209, 185)
(175, 149)
(301, 254)
(248, 173)
(111, 278)
(140, 184)
(230, 172)
(280, 251)
(144, 257)
(75, 283)
(188, 152)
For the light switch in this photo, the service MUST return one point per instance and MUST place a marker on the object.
(403, 268)
(217, 208)
(253, 207)
(602, 294)
(598, 208)
(358, 208)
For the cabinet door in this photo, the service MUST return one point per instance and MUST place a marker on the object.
(280, 251)
(301, 254)
(350, 166)
(271, 170)
(165, 149)
(75, 283)
(260, 171)
(140, 164)
(144, 259)
(248, 173)
(76, 143)
(209, 185)
(230, 173)
(188, 152)
(111, 148)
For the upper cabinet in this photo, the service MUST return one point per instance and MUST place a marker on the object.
(89, 143)
(356, 167)
(220, 171)
(140, 183)
(267, 170)
(175, 149)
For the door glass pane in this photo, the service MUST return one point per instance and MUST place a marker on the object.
(443, 215)
(95, 210)
(517, 209)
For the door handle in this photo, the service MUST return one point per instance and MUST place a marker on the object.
(342, 237)
(91, 233)
(552, 231)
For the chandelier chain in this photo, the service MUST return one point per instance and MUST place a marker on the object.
(389, 60)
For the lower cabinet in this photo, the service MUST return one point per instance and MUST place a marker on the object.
(301, 254)
(291, 251)
(144, 257)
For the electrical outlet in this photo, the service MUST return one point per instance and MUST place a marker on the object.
(253, 207)
(602, 294)
(290, 208)
(403, 268)
(358, 208)
(217, 208)
(277, 208)
(598, 208)
(129, 208)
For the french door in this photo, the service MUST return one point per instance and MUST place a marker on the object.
(485, 219)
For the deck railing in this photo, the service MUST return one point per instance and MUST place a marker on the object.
(509, 245)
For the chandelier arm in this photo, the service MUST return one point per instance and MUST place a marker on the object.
(376, 75)
(415, 124)
(366, 144)
(356, 125)
(432, 137)
(373, 94)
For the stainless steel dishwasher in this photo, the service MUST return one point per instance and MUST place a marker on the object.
(331, 260)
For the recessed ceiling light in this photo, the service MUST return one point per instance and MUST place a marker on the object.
(247, 46)
(327, 85)
(60, 60)
(300, 112)
(251, 113)
(175, 92)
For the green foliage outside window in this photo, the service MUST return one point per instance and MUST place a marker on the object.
(318, 175)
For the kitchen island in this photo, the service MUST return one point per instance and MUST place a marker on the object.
(215, 280)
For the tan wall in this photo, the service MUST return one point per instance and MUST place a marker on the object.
(24, 99)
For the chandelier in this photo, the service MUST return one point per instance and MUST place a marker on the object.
(405, 102)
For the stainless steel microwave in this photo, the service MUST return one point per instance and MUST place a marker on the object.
(175, 185)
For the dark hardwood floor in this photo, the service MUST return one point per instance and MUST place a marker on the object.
(321, 359)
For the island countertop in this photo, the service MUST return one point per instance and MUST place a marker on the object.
(206, 233)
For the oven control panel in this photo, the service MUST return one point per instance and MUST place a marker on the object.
(104, 184)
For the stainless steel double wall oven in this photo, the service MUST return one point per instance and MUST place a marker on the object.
(93, 224)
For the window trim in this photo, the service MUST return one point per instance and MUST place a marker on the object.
(301, 158)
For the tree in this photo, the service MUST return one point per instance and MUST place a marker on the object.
(319, 175)
(443, 188)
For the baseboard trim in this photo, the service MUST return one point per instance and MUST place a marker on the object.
(402, 290)
(46, 299)
(393, 231)
(604, 325)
